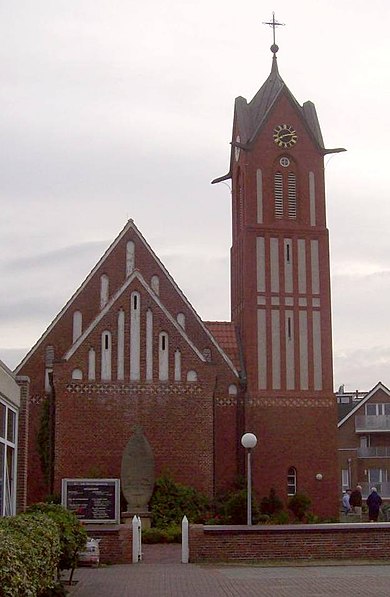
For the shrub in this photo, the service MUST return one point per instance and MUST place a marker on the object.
(29, 554)
(72, 534)
(171, 501)
(272, 504)
(234, 507)
(299, 505)
(171, 534)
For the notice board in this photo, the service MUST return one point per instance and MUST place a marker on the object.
(92, 500)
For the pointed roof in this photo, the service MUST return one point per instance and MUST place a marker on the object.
(250, 117)
(370, 394)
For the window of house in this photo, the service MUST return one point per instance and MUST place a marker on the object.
(345, 481)
(8, 439)
(377, 409)
(292, 481)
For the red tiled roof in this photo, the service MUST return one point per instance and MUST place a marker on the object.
(225, 334)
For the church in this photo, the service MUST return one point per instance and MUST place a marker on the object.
(128, 349)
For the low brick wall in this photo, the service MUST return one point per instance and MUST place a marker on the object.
(115, 542)
(362, 541)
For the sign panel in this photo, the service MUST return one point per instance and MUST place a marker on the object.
(92, 500)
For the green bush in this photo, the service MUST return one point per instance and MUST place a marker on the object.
(299, 504)
(171, 501)
(171, 534)
(29, 554)
(72, 534)
(234, 507)
(272, 504)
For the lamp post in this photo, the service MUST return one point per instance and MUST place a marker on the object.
(249, 441)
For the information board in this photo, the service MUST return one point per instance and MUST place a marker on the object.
(92, 500)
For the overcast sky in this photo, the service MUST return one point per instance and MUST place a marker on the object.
(117, 109)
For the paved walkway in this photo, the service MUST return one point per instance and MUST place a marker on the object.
(162, 575)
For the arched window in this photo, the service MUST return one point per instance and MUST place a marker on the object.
(155, 284)
(233, 390)
(181, 320)
(292, 196)
(192, 376)
(91, 364)
(163, 357)
(106, 356)
(77, 325)
(77, 374)
(278, 195)
(285, 190)
(292, 481)
(104, 290)
(130, 257)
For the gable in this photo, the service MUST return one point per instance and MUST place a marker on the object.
(128, 260)
(372, 396)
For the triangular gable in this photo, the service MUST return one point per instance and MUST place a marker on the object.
(130, 225)
(370, 394)
(135, 275)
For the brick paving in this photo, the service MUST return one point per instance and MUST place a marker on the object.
(161, 574)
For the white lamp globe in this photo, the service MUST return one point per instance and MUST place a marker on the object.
(249, 440)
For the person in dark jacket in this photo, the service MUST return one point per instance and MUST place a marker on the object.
(374, 502)
(355, 500)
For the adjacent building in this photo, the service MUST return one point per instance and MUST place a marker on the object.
(9, 412)
(364, 439)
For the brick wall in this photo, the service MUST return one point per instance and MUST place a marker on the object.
(290, 542)
(115, 543)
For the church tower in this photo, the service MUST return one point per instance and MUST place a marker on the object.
(280, 291)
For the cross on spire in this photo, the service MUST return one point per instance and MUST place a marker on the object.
(274, 23)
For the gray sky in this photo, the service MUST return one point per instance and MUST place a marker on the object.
(114, 109)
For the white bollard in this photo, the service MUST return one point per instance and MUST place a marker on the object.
(139, 540)
(134, 525)
(184, 541)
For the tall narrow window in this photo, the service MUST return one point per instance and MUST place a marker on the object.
(292, 196)
(155, 284)
(91, 364)
(77, 325)
(292, 481)
(104, 290)
(106, 356)
(163, 355)
(135, 336)
(130, 257)
(278, 195)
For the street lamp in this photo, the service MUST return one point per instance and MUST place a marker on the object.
(249, 441)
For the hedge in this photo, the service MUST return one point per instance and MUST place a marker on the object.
(29, 554)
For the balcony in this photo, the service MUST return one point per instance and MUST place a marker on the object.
(372, 423)
(379, 452)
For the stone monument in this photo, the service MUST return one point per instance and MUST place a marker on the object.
(137, 477)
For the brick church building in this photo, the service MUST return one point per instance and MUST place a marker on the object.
(128, 348)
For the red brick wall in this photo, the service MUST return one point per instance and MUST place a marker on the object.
(115, 545)
(299, 433)
(293, 542)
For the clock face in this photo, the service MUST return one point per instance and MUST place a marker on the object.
(285, 136)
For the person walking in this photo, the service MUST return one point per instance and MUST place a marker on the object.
(346, 505)
(355, 500)
(374, 502)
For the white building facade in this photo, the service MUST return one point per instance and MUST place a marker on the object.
(9, 412)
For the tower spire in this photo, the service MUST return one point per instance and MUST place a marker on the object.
(274, 23)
